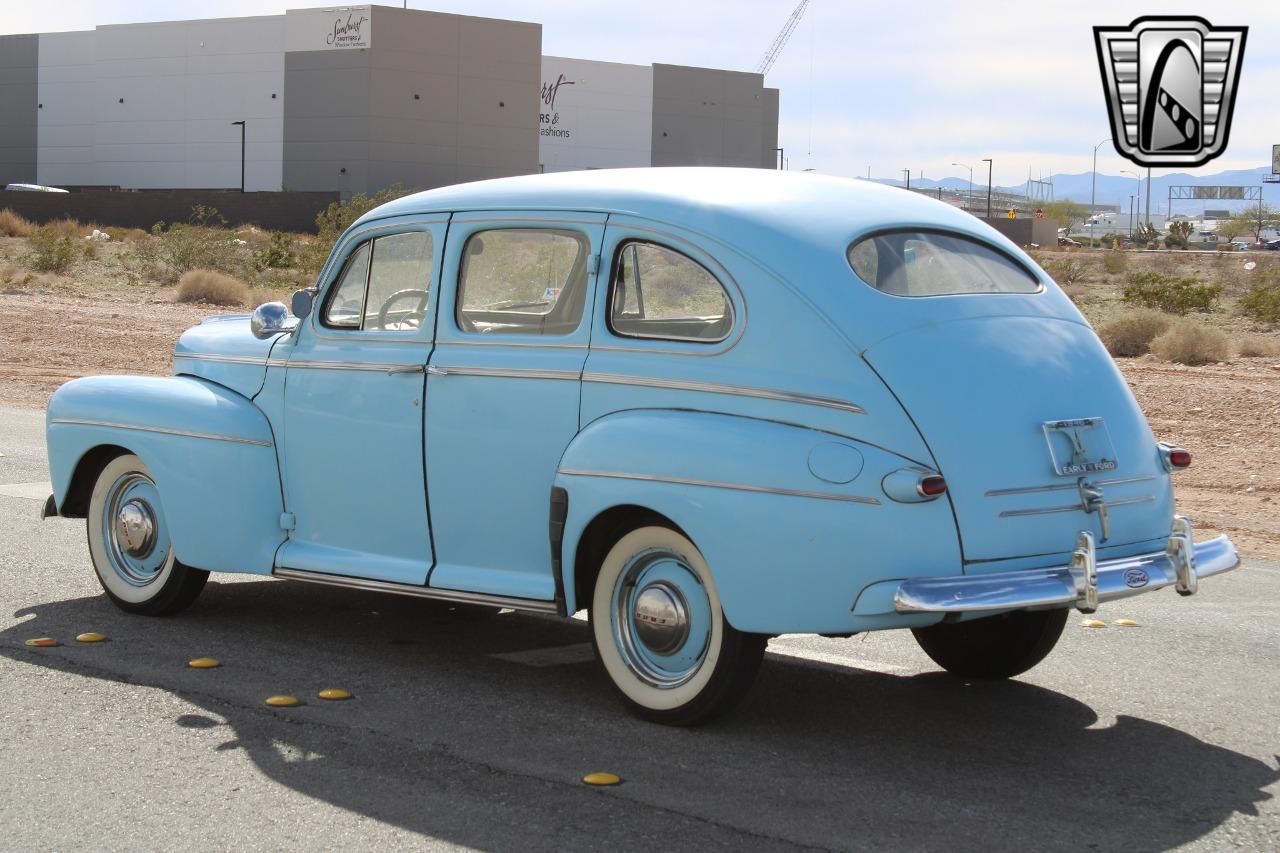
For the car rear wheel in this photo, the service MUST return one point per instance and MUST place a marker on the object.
(660, 634)
(995, 647)
(129, 543)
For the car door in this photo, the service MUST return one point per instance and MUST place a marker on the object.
(353, 402)
(503, 392)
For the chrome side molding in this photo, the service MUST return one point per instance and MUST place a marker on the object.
(457, 596)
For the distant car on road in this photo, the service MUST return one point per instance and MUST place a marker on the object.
(708, 406)
(1272, 245)
(1067, 241)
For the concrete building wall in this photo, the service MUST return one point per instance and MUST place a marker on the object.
(594, 115)
(769, 128)
(66, 109)
(19, 71)
(705, 116)
(438, 99)
(165, 95)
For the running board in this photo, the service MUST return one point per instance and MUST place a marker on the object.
(456, 596)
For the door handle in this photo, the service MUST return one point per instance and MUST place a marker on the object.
(407, 368)
(435, 370)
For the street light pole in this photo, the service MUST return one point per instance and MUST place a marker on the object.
(987, 160)
(1138, 197)
(1148, 195)
(906, 173)
(242, 126)
(1093, 190)
(970, 168)
(1131, 198)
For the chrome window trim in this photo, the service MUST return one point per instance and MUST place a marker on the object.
(1062, 487)
(502, 372)
(720, 272)
(211, 436)
(529, 604)
(717, 388)
(608, 297)
(715, 484)
(1076, 507)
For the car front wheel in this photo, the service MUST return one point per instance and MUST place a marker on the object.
(129, 543)
(660, 634)
(994, 647)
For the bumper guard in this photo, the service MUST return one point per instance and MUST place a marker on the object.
(1084, 583)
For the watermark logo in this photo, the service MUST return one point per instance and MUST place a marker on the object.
(1171, 85)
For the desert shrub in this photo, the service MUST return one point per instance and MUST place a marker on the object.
(1066, 271)
(51, 252)
(1187, 342)
(1262, 302)
(1131, 333)
(1256, 345)
(1077, 293)
(72, 229)
(1177, 296)
(179, 247)
(1179, 232)
(13, 225)
(1115, 262)
(337, 217)
(128, 235)
(280, 252)
(212, 287)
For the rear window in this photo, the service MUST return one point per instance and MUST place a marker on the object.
(926, 263)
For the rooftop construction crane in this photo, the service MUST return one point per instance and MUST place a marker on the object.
(771, 55)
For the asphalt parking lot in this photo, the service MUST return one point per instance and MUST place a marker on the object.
(473, 730)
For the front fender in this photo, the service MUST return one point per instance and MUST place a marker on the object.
(210, 451)
(792, 521)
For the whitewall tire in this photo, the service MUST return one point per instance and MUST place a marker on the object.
(129, 543)
(660, 633)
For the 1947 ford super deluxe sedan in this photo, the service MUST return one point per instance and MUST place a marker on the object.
(741, 403)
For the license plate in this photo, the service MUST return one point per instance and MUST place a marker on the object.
(1079, 446)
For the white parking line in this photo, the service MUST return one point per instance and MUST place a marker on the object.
(30, 491)
(550, 656)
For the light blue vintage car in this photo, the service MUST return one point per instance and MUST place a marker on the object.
(707, 405)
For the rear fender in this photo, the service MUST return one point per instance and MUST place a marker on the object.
(789, 550)
(210, 451)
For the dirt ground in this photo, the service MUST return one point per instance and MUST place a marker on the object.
(1227, 415)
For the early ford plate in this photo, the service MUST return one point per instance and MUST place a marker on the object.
(1079, 446)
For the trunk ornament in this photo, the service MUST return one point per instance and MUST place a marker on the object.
(1084, 570)
(1182, 555)
(1091, 500)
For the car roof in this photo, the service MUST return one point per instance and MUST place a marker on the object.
(767, 210)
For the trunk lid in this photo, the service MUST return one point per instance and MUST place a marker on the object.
(981, 391)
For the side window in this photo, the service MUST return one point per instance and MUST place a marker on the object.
(384, 285)
(529, 281)
(658, 292)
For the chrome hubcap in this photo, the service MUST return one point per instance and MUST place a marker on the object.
(136, 528)
(661, 618)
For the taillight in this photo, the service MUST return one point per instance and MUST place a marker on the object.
(932, 485)
(1174, 458)
(913, 485)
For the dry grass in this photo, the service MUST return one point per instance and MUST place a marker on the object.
(1077, 293)
(1131, 333)
(72, 229)
(1188, 342)
(212, 288)
(13, 225)
(127, 235)
(1256, 345)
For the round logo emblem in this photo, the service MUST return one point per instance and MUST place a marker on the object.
(1135, 578)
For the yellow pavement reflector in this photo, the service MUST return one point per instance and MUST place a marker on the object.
(601, 779)
(283, 701)
(42, 642)
(90, 637)
(1125, 623)
(1093, 623)
(334, 693)
(204, 663)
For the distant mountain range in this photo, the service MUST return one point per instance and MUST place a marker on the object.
(1116, 189)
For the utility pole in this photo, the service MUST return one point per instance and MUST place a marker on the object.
(987, 160)
(970, 168)
(1131, 198)
(906, 176)
(1148, 195)
(242, 126)
(1093, 189)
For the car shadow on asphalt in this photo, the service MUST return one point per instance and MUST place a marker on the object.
(446, 740)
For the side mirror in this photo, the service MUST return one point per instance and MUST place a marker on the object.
(269, 319)
(302, 302)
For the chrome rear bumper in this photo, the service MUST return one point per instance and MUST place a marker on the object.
(1082, 584)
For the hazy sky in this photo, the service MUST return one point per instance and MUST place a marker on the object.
(871, 83)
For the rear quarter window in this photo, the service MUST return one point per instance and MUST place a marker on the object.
(928, 263)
